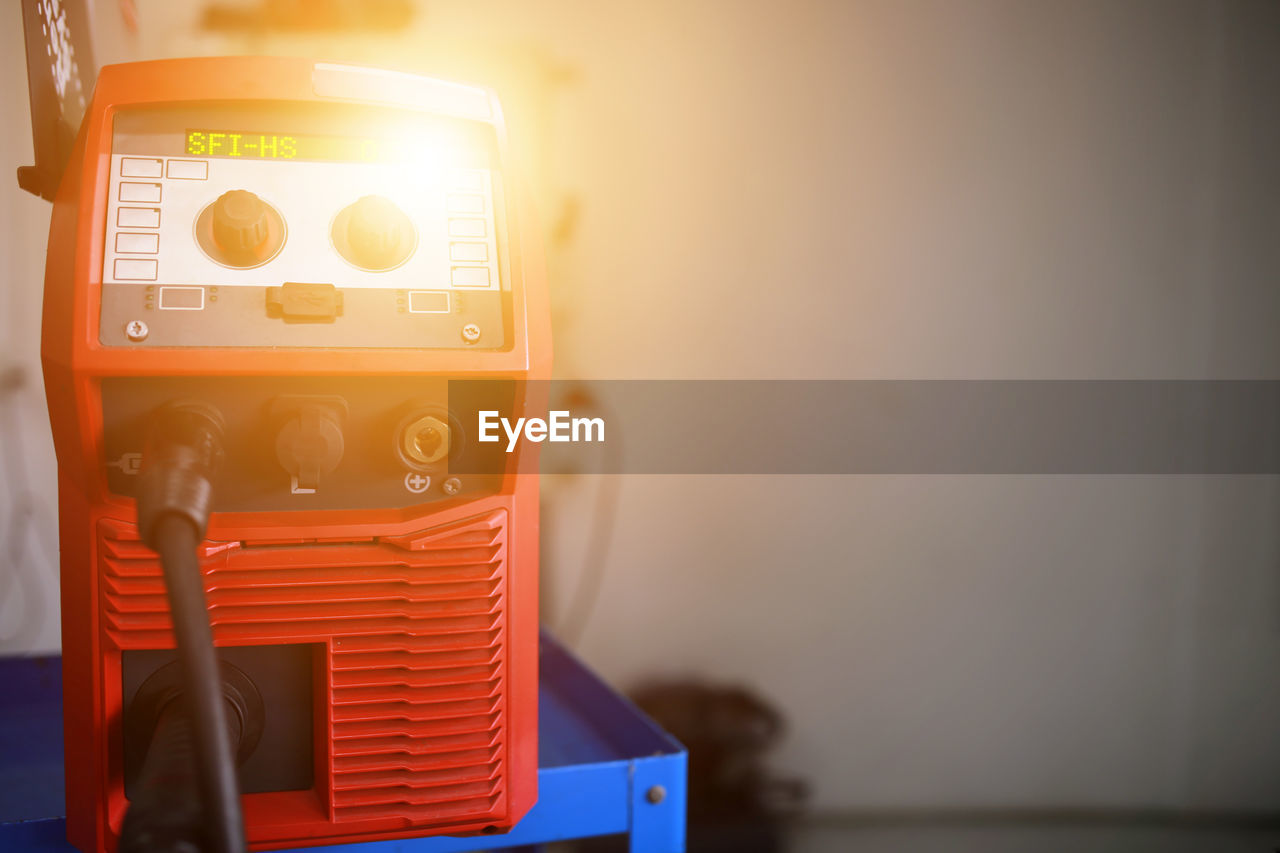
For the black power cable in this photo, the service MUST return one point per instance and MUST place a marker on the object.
(166, 814)
(179, 464)
(586, 593)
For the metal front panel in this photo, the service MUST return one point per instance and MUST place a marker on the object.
(162, 287)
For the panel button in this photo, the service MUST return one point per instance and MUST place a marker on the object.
(189, 170)
(139, 167)
(130, 191)
(466, 228)
(466, 203)
(470, 277)
(134, 269)
(147, 244)
(138, 217)
(428, 302)
(304, 302)
(474, 252)
(181, 298)
(467, 179)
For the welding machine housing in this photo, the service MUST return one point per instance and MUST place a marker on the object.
(317, 253)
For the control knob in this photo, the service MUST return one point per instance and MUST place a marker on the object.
(240, 230)
(239, 221)
(374, 234)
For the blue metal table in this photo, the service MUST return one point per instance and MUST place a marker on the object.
(604, 767)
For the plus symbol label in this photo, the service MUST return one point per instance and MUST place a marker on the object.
(416, 483)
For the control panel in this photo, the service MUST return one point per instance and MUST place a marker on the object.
(251, 226)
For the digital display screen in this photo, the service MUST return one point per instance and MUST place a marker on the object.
(252, 145)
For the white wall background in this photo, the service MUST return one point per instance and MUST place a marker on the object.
(28, 494)
(977, 189)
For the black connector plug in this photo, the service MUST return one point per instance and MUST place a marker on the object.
(180, 462)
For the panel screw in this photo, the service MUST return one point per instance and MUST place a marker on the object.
(136, 330)
(471, 333)
(656, 794)
(452, 486)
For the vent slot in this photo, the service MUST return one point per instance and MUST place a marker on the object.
(415, 625)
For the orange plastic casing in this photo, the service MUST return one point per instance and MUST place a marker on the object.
(425, 702)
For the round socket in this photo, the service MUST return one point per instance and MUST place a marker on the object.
(309, 445)
(425, 440)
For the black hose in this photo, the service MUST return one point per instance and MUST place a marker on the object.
(180, 462)
(176, 542)
(165, 813)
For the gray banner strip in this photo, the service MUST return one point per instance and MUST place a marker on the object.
(911, 427)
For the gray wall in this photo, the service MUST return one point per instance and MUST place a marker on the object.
(973, 189)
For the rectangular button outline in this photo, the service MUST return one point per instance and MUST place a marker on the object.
(484, 226)
(115, 269)
(152, 234)
(484, 252)
(467, 180)
(168, 170)
(121, 210)
(453, 272)
(452, 207)
(171, 287)
(443, 293)
(127, 160)
(156, 200)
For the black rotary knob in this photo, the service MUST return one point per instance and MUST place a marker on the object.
(374, 234)
(239, 221)
(374, 228)
(240, 230)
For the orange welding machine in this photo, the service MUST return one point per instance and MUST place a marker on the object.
(264, 278)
